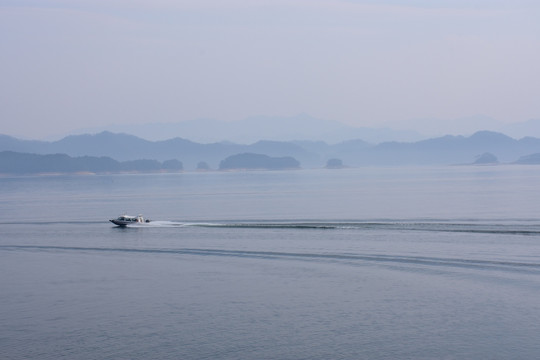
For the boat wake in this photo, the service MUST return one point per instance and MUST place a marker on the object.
(169, 224)
(528, 227)
(345, 258)
(513, 228)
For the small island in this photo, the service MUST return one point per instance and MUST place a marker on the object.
(532, 159)
(334, 164)
(486, 159)
(203, 166)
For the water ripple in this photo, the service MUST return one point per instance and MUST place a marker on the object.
(344, 258)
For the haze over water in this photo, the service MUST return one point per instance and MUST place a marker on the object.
(374, 263)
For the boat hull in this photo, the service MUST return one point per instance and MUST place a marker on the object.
(126, 220)
(121, 223)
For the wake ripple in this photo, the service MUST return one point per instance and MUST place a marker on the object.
(526, 227)
(342, 258)
(480, 228)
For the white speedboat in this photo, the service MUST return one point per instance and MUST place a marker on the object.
(124, 220)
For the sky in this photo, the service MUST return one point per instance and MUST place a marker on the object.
(71, 64)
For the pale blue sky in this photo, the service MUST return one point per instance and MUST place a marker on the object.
(71, 64)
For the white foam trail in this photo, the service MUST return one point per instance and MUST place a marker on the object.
(155, 223)
(165, 223)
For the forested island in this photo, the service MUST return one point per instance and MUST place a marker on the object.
(24, 163)
(107, 153)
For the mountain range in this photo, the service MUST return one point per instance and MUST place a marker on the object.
(443, 150)
(249, 130)
(306, 127)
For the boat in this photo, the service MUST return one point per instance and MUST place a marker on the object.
(125, 220)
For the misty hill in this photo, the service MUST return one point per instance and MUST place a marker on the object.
(305, 127)
(443, 150)
(124, 147)
(258, 161)
(249, 130)
(24, 163)
(446, 150)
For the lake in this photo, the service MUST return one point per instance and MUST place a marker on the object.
(366, 263)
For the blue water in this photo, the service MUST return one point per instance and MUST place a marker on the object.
(374, 263)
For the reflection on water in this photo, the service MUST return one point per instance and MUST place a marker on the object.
(423, 263)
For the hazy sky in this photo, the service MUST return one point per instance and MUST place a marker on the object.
(71, 64)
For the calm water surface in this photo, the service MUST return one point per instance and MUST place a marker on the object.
(375, 263)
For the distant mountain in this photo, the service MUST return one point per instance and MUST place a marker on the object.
(442, 150)
(124, 147)
(300, 127)
(522, 129)
(258, 161)
(446, 150)
(436, 127)
(24, 163)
